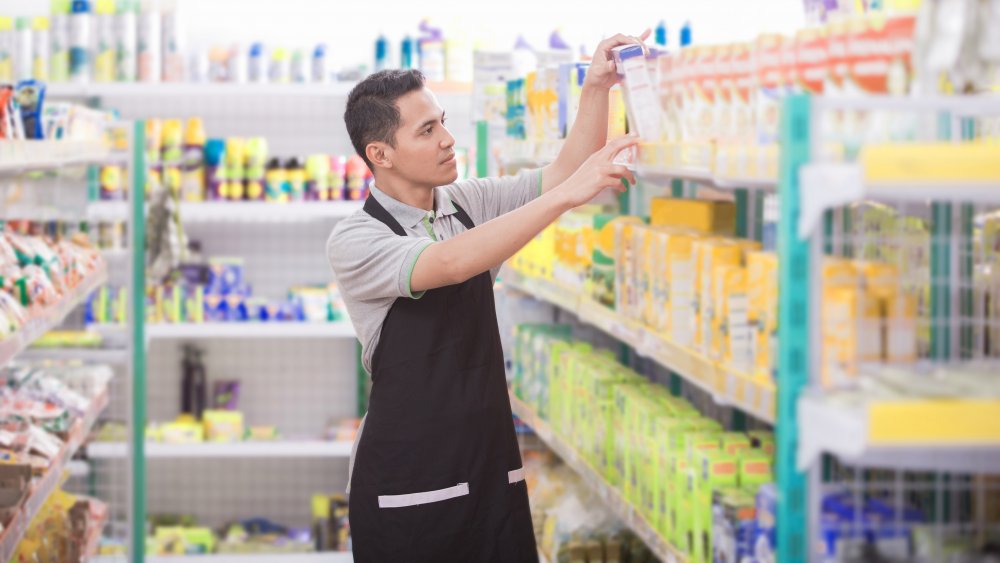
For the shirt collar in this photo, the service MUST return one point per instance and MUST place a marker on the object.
(410, 216)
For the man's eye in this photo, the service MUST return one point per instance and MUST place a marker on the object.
(428, 131)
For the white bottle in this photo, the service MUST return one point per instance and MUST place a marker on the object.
(6, 50)
(80, 48)
(104, 52)
(173, 56)
(320, 64)
(59, 46)
(238, 65)
(23, 57)
(149, 43)
(126, 42)
(40, 48)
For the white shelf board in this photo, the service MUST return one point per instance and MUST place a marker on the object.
(664, 174)
(212, 450)
(17, 157)
(842, 428)
(611, 496)
(50, 318)
(236, 211)
(90, 355)
(323, 557)
(221, 89)
(247, 330)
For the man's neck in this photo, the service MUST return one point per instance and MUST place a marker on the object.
(420, 197)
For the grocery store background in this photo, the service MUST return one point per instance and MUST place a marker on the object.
(779, 345)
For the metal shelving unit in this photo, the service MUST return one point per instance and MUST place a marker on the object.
(237, 211)
(243, 450)
(234, 330)
(611, 496)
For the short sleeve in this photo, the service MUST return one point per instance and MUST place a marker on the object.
(488, 198)
(371, 262)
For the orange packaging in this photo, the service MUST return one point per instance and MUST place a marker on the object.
(879, 54)
(811, 60)
(769, 85)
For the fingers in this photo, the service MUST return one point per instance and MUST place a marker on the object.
(621, 39)
(615, 146)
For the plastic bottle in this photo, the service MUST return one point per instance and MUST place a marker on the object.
(23, 58)
(150, 67)
(173, 154)
(215, 171)
(296, 177)
(6, 49)
(381, 53)
(104, 53)
(432, 52)
(278, 69)
(408, 57)
(338, 178)
(320, 64)
(126, 41)
(525, 60)
(79, 41)
(661, 34)
(237, 70)
(298, 67)
(193, 163)
(235, 169)
(256, 162)
(257, 67)
(40, 48)
(59, 36)
(173, 52)
(274, 182)
(318, 177)
(686, 34)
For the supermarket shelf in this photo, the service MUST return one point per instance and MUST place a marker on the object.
(326, 557)
(959, 435)
(288, 449)
(222, 90)
(664, 174)
(51, 317)
(826, 185)
(89, 355)
(51, 480)
(236, 211)
(611, 496)
(339, 329)
(17, 157)
(727, 387)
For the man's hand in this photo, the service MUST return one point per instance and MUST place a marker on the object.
(602, 72)
(598, 173)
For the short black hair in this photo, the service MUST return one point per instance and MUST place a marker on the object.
(372, 114)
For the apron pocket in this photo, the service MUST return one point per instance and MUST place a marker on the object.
(414, 499)
(515, 476)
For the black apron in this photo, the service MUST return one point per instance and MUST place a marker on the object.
(437, 474)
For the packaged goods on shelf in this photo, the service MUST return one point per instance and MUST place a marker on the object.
(570, 523)
(26, 114)
(667, 460)
(38, 272)
(67, 528)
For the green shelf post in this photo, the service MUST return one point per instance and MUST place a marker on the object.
(137, 316)
(742, 213)
(482, 148)
(793, 339)
(941, 231)
(677, 188)
(758, 217)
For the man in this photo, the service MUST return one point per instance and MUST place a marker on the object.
(437, 474)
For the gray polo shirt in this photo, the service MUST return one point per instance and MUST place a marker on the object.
(373, 265)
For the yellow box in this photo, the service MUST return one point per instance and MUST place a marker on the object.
(626, 288)
(709, 217)
(898, 311)
(223, 425)
(680, 288)
(762, 309)
(731, 339)
(851, 323)
(709, 255)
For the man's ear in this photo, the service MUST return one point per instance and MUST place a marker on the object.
(379, 154)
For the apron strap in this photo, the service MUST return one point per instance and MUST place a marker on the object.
(375, 209)
(463, 217)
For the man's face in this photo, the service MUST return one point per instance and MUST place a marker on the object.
(425, 151)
